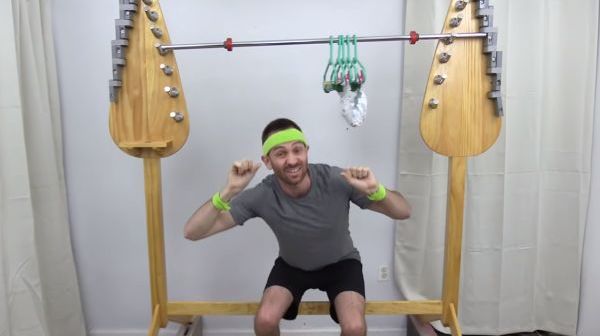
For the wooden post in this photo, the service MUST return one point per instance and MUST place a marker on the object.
(457, 171)
(156, 245)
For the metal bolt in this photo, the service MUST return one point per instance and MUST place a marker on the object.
(152, 15)
(434, 103)
(167, 69)
(447, 40)
(158, 33)
(160, 49)
(172, 91)
(177, 116)
(439, 79)
(460, 5)
(444, 57)
(455, 21)
(148, 2)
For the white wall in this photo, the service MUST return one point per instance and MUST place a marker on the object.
(230, 96)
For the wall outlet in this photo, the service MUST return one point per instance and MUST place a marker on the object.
(384, 273)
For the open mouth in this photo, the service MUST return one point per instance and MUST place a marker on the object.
(293, 171)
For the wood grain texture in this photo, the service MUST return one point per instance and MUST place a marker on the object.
(156, 241)
(457, 172)
(182, 308)
(155, 324)
(465, 123)
(454, 325)
(141, 113)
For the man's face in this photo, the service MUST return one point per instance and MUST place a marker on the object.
(289, 162)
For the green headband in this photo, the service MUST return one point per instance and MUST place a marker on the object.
(276, 139)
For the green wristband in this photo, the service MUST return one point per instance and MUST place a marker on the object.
(219, 203)
(379, 194)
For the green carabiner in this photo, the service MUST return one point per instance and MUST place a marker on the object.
(362, 77)
(328, 85)
(353, 71)
(336, 79)
(345, 62)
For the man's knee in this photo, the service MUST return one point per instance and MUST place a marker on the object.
(266, 322)
(354, 327)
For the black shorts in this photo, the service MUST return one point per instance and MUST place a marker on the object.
(345, 275)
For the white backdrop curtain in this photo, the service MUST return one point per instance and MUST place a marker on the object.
(39, 293)
(526, 198)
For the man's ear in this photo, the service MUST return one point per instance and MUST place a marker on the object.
(267, 161)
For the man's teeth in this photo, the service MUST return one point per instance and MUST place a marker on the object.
(295, 170)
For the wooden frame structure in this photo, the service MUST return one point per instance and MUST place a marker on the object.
(148, 119)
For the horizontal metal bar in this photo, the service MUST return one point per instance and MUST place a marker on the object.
(317, 41)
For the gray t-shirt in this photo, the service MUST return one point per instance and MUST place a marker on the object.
(312, 230)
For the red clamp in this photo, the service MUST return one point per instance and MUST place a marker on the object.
(414, 37)
(228, 44)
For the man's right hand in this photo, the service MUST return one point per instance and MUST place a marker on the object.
(240, 175)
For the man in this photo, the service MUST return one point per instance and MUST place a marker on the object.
(306, 206)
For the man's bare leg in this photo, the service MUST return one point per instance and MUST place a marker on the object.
(275, 302)
(350, 309)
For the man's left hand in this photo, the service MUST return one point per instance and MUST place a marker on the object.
(362, 179)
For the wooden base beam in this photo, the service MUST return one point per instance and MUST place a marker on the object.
(194, 308)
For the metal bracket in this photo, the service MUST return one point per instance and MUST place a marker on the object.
(486, 17)
(497, 97)
(113, 89)
(122, 32)
(490, 43)
(118, 48)
(495, 65)
(496, 82)
(127, 11)
(119, 61)
(124, 23)
(117, 72)
(483, 4)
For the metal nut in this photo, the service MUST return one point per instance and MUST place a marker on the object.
(167, 69)
(157, 32)
(444, 57)
(439, 79)
(177, 116)
(460, 5)
(434, 103)
(172, 91)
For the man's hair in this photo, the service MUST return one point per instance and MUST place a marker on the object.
(278, 125)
